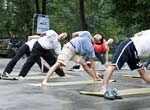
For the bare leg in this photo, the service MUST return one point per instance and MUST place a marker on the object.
(107, 77)
(50, 72)
(143, 74)
(147, 62)
(92, 73)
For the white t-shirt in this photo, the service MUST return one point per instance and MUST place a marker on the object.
(50, 41)
(31, 43)
(142, 43)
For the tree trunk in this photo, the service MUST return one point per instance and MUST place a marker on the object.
(43, 7)
(37, 8)
(82, 15)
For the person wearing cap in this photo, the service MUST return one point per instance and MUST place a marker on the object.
(80, 44)
(128, 52)
(42, 48)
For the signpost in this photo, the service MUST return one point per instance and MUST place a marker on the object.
(42, 24)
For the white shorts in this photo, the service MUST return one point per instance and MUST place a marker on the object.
(68, 53)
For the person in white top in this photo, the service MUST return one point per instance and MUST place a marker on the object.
(24, 49)
(128, 51)
(42, 48)
(145, 33)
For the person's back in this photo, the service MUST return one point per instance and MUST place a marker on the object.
(142, 42)
(47, 41)
(83, 42)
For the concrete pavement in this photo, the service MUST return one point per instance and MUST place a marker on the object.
(21, 95)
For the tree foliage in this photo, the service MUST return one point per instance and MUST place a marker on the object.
(134, 15)
(15, 16)
(113, 18)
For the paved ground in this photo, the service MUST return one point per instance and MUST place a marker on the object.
(20, 95)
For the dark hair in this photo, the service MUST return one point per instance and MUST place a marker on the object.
(101, 40)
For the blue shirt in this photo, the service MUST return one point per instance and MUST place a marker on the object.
(83, 44)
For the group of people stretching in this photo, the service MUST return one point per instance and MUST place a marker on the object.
(82, 43)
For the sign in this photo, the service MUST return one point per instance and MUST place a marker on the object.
(43, 23)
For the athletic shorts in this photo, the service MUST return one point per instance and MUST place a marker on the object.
(127, 53)
(68, 53)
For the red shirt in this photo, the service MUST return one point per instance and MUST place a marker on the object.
(100, 48)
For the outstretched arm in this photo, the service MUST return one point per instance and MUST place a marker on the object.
(138, 34)
(80, 33)
(75, 34)
(42, 64)
(106, 55)
(92, 72)
(94, 69)
(33, 37)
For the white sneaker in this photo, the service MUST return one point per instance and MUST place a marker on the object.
(5, 74)
(20, 77)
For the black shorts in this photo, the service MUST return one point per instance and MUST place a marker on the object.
(127, 53)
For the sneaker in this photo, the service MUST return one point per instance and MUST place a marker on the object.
(109, 95)
(5, 74)
(20, 77)
(101, 75)
(76, 67)
(116, 93)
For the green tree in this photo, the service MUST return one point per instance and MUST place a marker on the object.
(134, 15)
(65, 16)
(82, 15)
(99, 19)
(16, 16)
